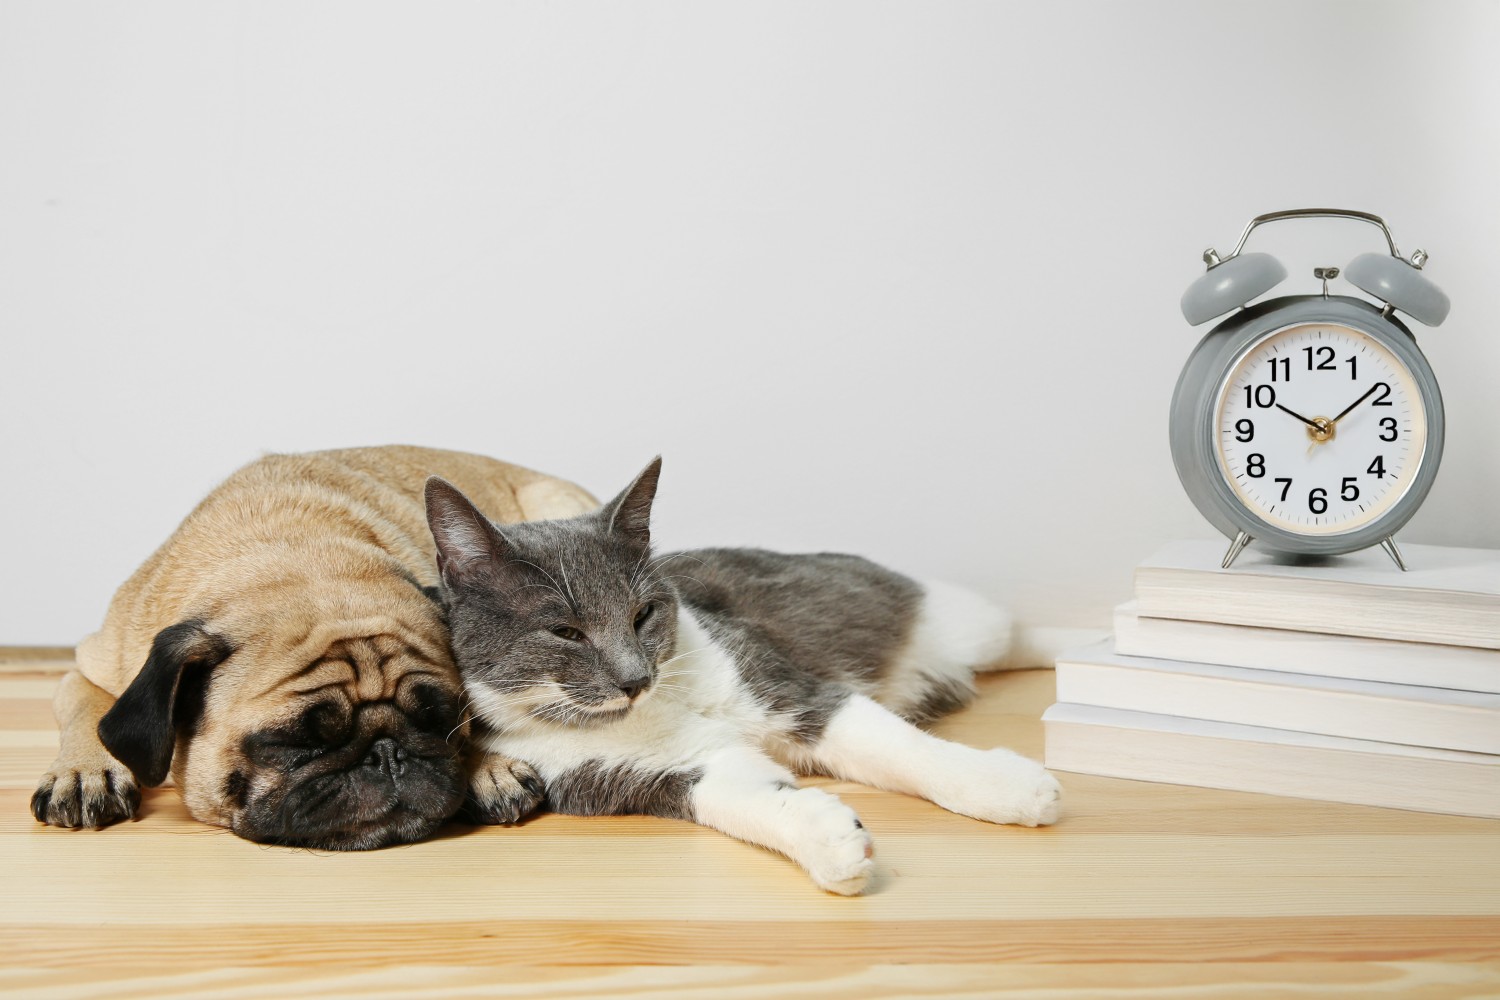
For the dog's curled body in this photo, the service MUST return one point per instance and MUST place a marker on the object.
(284, 654)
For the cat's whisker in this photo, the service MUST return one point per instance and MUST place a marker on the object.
(462, 719)
(555, 587)
(635, 572)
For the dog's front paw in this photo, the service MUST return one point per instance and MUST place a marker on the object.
(836, 848)
(1003, 787)
(501, 790)
(86, 797)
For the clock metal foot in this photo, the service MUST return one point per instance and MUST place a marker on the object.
(1235, 548)
(1389, 544)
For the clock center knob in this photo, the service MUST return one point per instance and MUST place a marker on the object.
(1322, 429)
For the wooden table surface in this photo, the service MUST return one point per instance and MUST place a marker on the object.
(1142, 889)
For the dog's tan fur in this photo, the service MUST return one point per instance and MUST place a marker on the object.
(311, 568)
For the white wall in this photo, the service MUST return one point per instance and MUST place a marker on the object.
(899, 279)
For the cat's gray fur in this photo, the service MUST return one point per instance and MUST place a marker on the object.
(678, 685)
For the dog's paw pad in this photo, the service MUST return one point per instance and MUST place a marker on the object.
(86, 797)
(502, 790)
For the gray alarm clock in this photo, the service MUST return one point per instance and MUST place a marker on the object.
(1309, 424)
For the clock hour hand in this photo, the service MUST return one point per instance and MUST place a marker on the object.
(1368, 393)
(1311, 423)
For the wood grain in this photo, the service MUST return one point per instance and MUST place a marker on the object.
(1140, 888)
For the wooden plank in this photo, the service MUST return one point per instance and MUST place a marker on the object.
(27, 659)
(1425, 980)
(131, 948)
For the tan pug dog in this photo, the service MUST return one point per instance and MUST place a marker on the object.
(283, 654)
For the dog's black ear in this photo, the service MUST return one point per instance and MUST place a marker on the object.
(140, 730)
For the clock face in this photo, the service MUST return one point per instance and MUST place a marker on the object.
(1320, 428)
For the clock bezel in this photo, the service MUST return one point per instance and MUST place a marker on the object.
(1194, 420)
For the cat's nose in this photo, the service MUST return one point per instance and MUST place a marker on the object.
(634, 686)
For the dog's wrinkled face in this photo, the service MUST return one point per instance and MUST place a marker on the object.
(344, 743)
(362, 758)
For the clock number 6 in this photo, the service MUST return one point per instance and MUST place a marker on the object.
(1317, 501)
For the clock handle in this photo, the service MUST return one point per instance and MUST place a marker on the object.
(1316, 213)
(1234, 280)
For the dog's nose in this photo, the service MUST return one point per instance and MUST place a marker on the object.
(387, 757)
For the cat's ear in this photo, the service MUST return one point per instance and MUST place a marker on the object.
(466, 541)
(630, 512)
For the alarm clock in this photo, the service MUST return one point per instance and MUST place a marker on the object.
(1310, 425)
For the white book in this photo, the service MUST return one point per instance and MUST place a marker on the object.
(1331, 706)
(1422, 663)
(1449, 596)
(1149, 747)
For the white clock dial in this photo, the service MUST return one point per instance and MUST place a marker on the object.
(1320, 428)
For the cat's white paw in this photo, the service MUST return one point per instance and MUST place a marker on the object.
(1003, 787)
(833, 845)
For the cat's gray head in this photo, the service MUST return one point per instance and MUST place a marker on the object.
(564, 621)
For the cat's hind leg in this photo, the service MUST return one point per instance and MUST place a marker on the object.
(954, 633)
(867, 743)
(747, 795)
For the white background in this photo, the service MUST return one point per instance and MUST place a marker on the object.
(899, 279)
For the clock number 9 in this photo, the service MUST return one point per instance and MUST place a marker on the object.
(1244, 430)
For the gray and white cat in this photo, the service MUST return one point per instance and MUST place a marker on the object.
(693, 685)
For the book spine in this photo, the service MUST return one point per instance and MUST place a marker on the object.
(1354, 714)
(1461, 668)
(1454, 619)
(1331, 775)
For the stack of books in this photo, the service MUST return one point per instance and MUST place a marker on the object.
(1345, 680)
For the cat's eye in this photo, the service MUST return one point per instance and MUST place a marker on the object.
(644, 615)
(567, 632)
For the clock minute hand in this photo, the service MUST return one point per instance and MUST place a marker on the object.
(1368, 393)
(1311, 423)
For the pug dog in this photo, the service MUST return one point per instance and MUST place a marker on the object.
(284, 656)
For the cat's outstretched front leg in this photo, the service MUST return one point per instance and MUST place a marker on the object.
(866, 743)
(747, 795)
